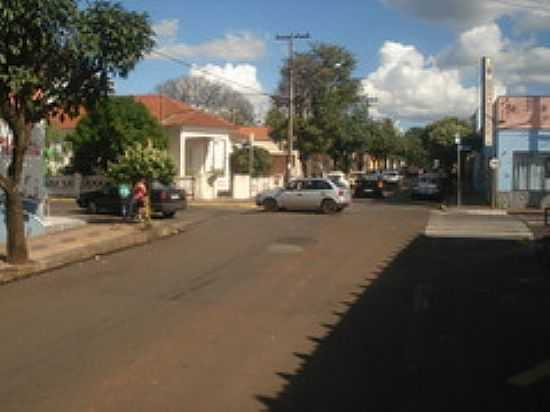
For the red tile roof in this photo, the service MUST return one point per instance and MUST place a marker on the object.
(168, 111)
(260, 133)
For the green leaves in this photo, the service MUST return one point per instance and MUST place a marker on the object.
(56, 56)
(143, 161)
(110, 129)
(324, 92)
(240, 161)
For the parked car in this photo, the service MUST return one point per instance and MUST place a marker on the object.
(166, 200)
(355, 177)
(369, 188)
(428, 186)
(391, 176)
(375, 176)
(338, 177)
(307, 194)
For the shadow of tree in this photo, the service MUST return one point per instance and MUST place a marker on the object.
(443, 327)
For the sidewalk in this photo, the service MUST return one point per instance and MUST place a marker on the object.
(59, 247)
(476, 224)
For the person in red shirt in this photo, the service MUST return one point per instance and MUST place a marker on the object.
(139, 192)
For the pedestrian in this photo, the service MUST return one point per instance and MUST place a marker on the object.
(124, 194)
(138, 199)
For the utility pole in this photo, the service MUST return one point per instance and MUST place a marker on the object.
(458, 177)
(250, 161)
(290, 39)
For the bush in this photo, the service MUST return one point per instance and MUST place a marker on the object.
(240, 161)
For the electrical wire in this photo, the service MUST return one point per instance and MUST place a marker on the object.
(174, 59)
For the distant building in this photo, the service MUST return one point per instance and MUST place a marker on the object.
(522, 147)
(260, 137)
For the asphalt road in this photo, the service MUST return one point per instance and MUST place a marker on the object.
(253, 311)
(203, 321)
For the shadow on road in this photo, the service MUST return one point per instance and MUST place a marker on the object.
(442, 327)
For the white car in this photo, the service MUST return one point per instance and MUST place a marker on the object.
(338, 178)
(307, 194)
(391, 176)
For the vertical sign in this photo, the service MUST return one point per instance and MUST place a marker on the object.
(487, 100)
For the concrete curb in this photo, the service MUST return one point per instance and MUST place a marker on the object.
(225, 205)
(138, 237)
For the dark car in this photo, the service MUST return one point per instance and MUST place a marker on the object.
(166, 200)
(428, 186)
(369, 188)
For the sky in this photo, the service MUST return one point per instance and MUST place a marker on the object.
(419, 58)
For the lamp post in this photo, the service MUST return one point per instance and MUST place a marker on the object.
(458, 180)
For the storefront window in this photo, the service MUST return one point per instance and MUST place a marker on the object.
(531, 172)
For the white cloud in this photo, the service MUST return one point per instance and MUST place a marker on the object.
(242, 78)
(413, 88)
(166, 30)
(241, 46)
(516, 64)
(529, 15)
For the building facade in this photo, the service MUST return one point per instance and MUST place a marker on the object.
(522, 143)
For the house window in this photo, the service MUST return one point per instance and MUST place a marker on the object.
(531, 172)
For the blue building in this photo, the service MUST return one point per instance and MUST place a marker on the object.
(522, 146)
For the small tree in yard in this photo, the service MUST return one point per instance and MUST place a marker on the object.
(240, 161)
(116, 123)
(143, 161)
(56, 56)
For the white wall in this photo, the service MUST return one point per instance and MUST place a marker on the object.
(208, 151)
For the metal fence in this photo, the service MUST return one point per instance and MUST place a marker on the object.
(73, 185)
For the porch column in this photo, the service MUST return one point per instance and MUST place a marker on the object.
(183, 142)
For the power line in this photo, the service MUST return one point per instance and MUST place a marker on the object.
(257, 92)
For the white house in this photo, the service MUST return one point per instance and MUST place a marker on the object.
(198, 142)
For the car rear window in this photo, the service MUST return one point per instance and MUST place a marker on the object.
(320, 185)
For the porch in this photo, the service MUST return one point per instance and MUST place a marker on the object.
(202, 162)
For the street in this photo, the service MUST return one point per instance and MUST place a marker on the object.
(250, 311)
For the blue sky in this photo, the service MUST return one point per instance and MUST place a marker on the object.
(419, 57)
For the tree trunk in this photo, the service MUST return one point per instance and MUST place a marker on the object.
(17, 252)
(16, 246)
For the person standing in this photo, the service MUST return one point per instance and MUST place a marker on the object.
(138, 198)
(124, 194)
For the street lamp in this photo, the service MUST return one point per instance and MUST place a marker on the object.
(458, 188)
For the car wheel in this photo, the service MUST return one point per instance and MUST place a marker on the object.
(91, 208)
(270, 205)
(329, 207)
(168, 214)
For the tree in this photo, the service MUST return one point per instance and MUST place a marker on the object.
(325, 90)
(105, 133)
(240, 161)
(356, 133)
(142, 161)
(213, 97)
(439, 138)
(384, 140)
(414, 152)
(55, 56)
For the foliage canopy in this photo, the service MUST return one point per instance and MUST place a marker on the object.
(55, 56)
(143, 161)
(106, 132)
(240, 161)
